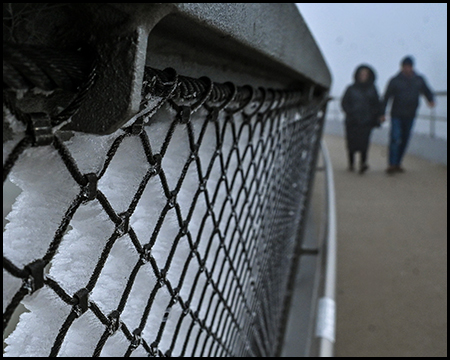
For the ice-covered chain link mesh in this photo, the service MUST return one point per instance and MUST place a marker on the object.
(199, 199)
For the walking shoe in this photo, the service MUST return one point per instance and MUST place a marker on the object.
(363, 168)
(391, 170)
(399, 169)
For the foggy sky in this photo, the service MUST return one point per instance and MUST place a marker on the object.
(380, 35)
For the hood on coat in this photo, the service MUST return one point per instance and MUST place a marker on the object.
(372, 75)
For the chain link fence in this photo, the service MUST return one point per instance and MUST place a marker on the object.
(174, 236)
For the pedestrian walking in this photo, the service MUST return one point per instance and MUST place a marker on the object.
(362, 108)
(404, 89)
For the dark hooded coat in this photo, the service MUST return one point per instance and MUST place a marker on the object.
(363, 109)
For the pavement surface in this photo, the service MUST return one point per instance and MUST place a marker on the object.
(392, 257)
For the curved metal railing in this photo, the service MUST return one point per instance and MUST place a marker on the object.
(326, 317)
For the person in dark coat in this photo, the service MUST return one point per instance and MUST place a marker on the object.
(362, 108)
(404, 89)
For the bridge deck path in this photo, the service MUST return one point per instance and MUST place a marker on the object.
(392, 257)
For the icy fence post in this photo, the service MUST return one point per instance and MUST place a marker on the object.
(161, 210)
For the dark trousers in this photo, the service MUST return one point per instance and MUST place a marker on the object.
(357, 140)
(351, 157)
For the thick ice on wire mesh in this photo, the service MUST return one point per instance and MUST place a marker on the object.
(14, 135)
(223, 163)
(38, 328)
(47, 192)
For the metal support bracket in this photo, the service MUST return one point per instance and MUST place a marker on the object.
(51, 47)
(116, 94)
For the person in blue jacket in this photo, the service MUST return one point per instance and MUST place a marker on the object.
(404, 89)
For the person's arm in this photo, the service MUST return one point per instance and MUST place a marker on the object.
(346, 102)
(425, 90)
(387, 95)
(378, 108)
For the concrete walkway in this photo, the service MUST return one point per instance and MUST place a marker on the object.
(392, 257)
